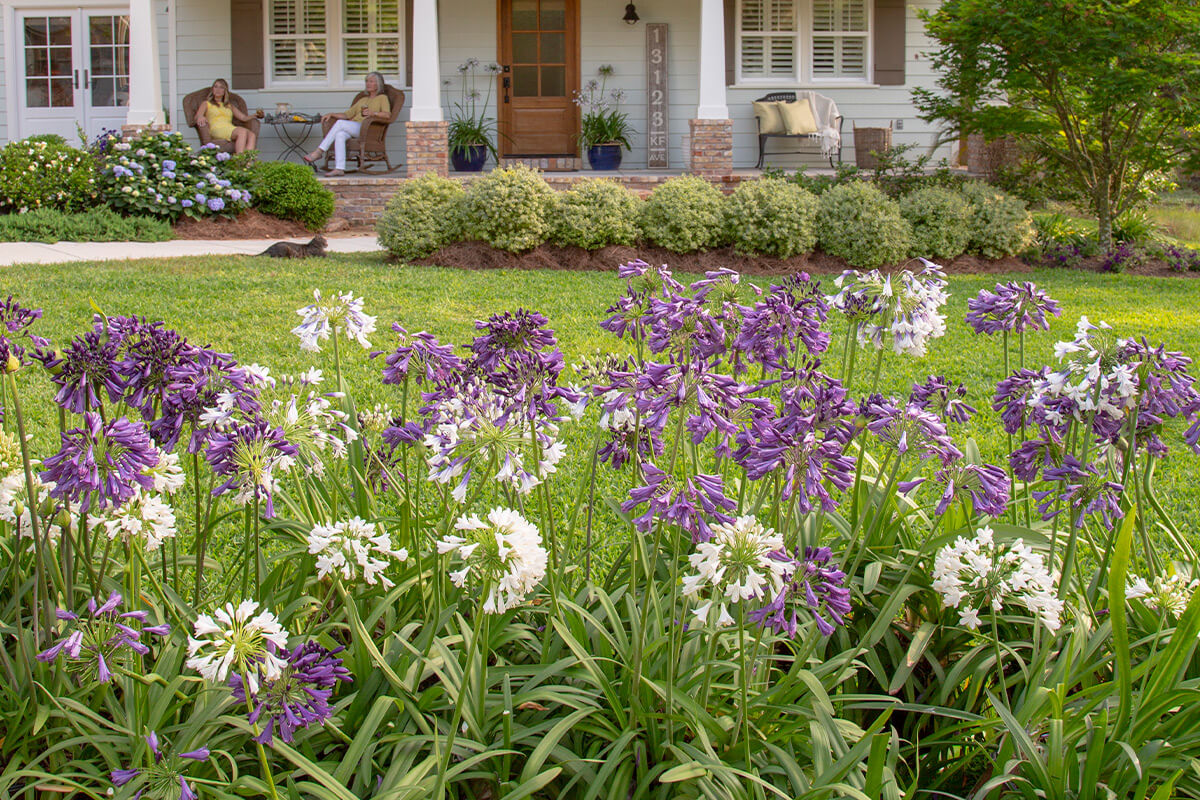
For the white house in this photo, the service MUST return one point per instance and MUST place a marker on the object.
(93, 64)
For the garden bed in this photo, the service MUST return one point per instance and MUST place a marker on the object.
(250, 224)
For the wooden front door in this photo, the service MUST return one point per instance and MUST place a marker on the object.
(539, 53)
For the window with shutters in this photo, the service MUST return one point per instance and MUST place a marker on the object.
(800, 41)
(333, 42)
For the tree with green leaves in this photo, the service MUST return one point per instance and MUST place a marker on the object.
(1105, 93)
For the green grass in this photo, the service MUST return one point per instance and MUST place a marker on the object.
(1179, 221)
(246, 306)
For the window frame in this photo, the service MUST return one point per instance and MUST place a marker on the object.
(335, 78)
(803, 74)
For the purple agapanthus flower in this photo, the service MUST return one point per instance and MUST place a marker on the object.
(92, 645)
(787, 319)
(86, 371)
(15, 321)
(1084, 488)
(300, 695)
(420, 355)
(165, 776)
(203, 379)
(909, 429)
(812, 587)
(511, 333)
(148, 352)
(1166, 390)
(941, 397)
(689, 504)
(250, 456)
(684, 327)
(711, 400)
(1032, 456)
(1013, 395)
(101, 464)
(985, 484)
(1014, 308)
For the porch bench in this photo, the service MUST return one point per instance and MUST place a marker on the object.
(829, 119)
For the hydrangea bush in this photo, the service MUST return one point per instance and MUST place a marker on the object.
(713, 560)
(160, 175)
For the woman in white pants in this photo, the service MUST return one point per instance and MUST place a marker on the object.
(349, 124)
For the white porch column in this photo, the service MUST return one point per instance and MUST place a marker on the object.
(145, 81)
(711, 103)
(426, 64)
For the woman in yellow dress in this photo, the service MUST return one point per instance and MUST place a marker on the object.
(218, 114)
(349, 124)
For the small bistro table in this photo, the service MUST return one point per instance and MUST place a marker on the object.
(293, 130)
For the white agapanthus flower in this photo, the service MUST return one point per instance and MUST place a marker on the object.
(354, 547)
(324, 318)
(144, 515)
(1169, 594)
(314, 426)
(15, 506)
(734, 565)
(10, 453)
(503, 557)
(976, 574)
(235, 640)
(904, 309)
(167, 474)
(1092, 376)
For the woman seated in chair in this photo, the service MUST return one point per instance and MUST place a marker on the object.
(349, 124)
(218, 114)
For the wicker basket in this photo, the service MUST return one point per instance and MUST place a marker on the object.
(868, 141)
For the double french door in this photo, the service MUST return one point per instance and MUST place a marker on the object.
(74, 70)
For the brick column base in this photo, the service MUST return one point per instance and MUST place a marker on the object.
(130, 131)
(712, 146)
(426, 149)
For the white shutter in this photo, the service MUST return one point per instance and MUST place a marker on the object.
(299, 50)
(840, 34)
(371, 40)
(768, 40)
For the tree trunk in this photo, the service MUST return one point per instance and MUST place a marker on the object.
(1103, 218)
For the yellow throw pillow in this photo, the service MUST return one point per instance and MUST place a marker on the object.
(797, 117)
(769, 120)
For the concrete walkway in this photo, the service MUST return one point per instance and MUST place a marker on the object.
(62, 252)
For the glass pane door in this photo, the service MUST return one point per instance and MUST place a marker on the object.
(107, 71)
(48, 88)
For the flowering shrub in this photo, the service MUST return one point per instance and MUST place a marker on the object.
(159, 175)
(42, 174)
(1000, 225)
(422, 216)
(1182, 259)
(510, 208)
(862, 225)
(684, 214)
(1122, 257)
(939, 222)
(773, 217)
(604, 580)
(597, 213)
(291, 191)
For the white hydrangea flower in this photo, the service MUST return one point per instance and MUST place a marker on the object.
(982, 574)
(235, 639)
(503, 556)
(324, 318)
(735, 565)
(352, 547)
(142, 515)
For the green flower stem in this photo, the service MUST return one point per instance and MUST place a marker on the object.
(199, 541)
(262, 753)
(744, 684)
(41, 594)
(1001, 680)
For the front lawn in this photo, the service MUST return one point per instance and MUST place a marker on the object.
(246, 306)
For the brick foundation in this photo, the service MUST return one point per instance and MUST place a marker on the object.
(130, 131)
(712, 146)
(426, 149)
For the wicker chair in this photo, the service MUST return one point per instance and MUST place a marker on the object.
(191, 104)
(790, 97)
(370, 146)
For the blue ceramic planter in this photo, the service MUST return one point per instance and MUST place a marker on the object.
(604, 156)
(469, 159)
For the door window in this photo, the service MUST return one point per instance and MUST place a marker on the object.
(108, 42)
(49, 62)
(539, 48)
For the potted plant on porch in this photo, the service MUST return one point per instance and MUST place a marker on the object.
(604, 128)
(470, 132)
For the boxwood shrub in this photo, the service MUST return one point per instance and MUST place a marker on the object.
(424, 215)
(862, 225)
(1000, 224)
(510, 208)
(291, 191)
(597, 213)
(685, 214)
(939, 220)
(771, 216)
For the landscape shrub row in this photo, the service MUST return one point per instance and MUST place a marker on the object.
(154, 175)
(514, 209)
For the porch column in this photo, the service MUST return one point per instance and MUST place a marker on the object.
(425, 140)
(145, 82)
(712, 130)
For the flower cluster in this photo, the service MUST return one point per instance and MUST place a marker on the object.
(1169, 595)
(242, 641)
(977, 574)
(92, 645)
(1014, 307)
(812, 587)
(102, 464)
(164, 778)
(735, 565)
(15, 336)
(351, 547)
(502, 557)
(158, 174)
(299, 696)
(341, 313)
(905, 309)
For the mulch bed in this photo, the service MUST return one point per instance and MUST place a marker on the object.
(478, 255)
(250, 224)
